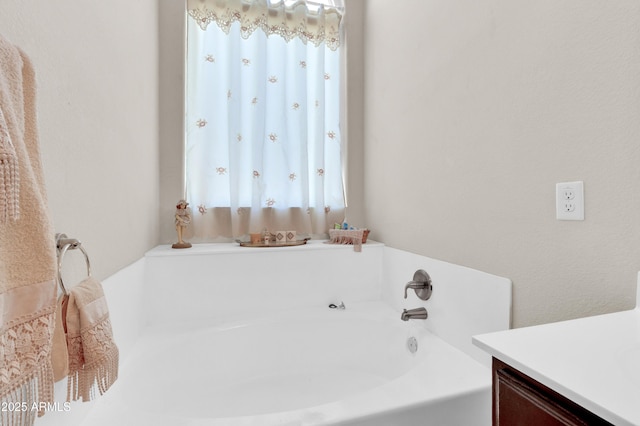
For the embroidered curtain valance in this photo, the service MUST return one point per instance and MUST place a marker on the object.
(289, 19)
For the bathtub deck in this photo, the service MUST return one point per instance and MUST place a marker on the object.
(448, 387)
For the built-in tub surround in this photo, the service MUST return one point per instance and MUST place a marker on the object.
(215, 282)
(464, 301)
(246, 336)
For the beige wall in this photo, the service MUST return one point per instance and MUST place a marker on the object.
(354, 25)
(475, 109)
(172, 54)
(96, 64)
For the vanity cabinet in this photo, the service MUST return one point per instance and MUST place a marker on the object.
(518, 400)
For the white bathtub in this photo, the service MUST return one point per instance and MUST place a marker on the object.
(266, 349)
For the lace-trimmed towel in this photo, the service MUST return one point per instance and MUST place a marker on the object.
(27, 249)
(93, 354)
(9, 178)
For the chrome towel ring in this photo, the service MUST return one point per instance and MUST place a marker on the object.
(63, 243)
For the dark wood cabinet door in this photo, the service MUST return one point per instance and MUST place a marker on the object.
(518, 400)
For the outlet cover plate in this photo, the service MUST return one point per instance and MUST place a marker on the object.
(570, 201)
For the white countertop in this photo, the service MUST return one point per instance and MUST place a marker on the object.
(593, 361)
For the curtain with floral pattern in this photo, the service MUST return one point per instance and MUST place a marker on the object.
(263, 138)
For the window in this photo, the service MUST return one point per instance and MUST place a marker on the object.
(263, 117)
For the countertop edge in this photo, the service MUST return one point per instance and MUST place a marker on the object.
(491, 343)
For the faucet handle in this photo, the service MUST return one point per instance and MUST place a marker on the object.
(421, 284)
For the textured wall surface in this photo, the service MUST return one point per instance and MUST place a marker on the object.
(172, 54)
(474, 110)
(97, 66)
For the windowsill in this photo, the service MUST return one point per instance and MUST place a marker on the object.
(235, 248)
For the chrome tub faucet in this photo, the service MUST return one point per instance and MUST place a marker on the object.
(421, 284)
(417, 313)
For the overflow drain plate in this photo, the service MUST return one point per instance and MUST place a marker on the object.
(412, 344)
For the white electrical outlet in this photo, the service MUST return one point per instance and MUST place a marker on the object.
(570, 201)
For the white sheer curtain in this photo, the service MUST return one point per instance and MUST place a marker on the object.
(263, 137)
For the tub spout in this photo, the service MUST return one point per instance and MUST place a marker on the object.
(417, 313)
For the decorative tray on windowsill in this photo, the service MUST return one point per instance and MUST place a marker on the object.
(287, 244)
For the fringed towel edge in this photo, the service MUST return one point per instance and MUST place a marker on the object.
(100, 375)
(22, 403)
(347, 237)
